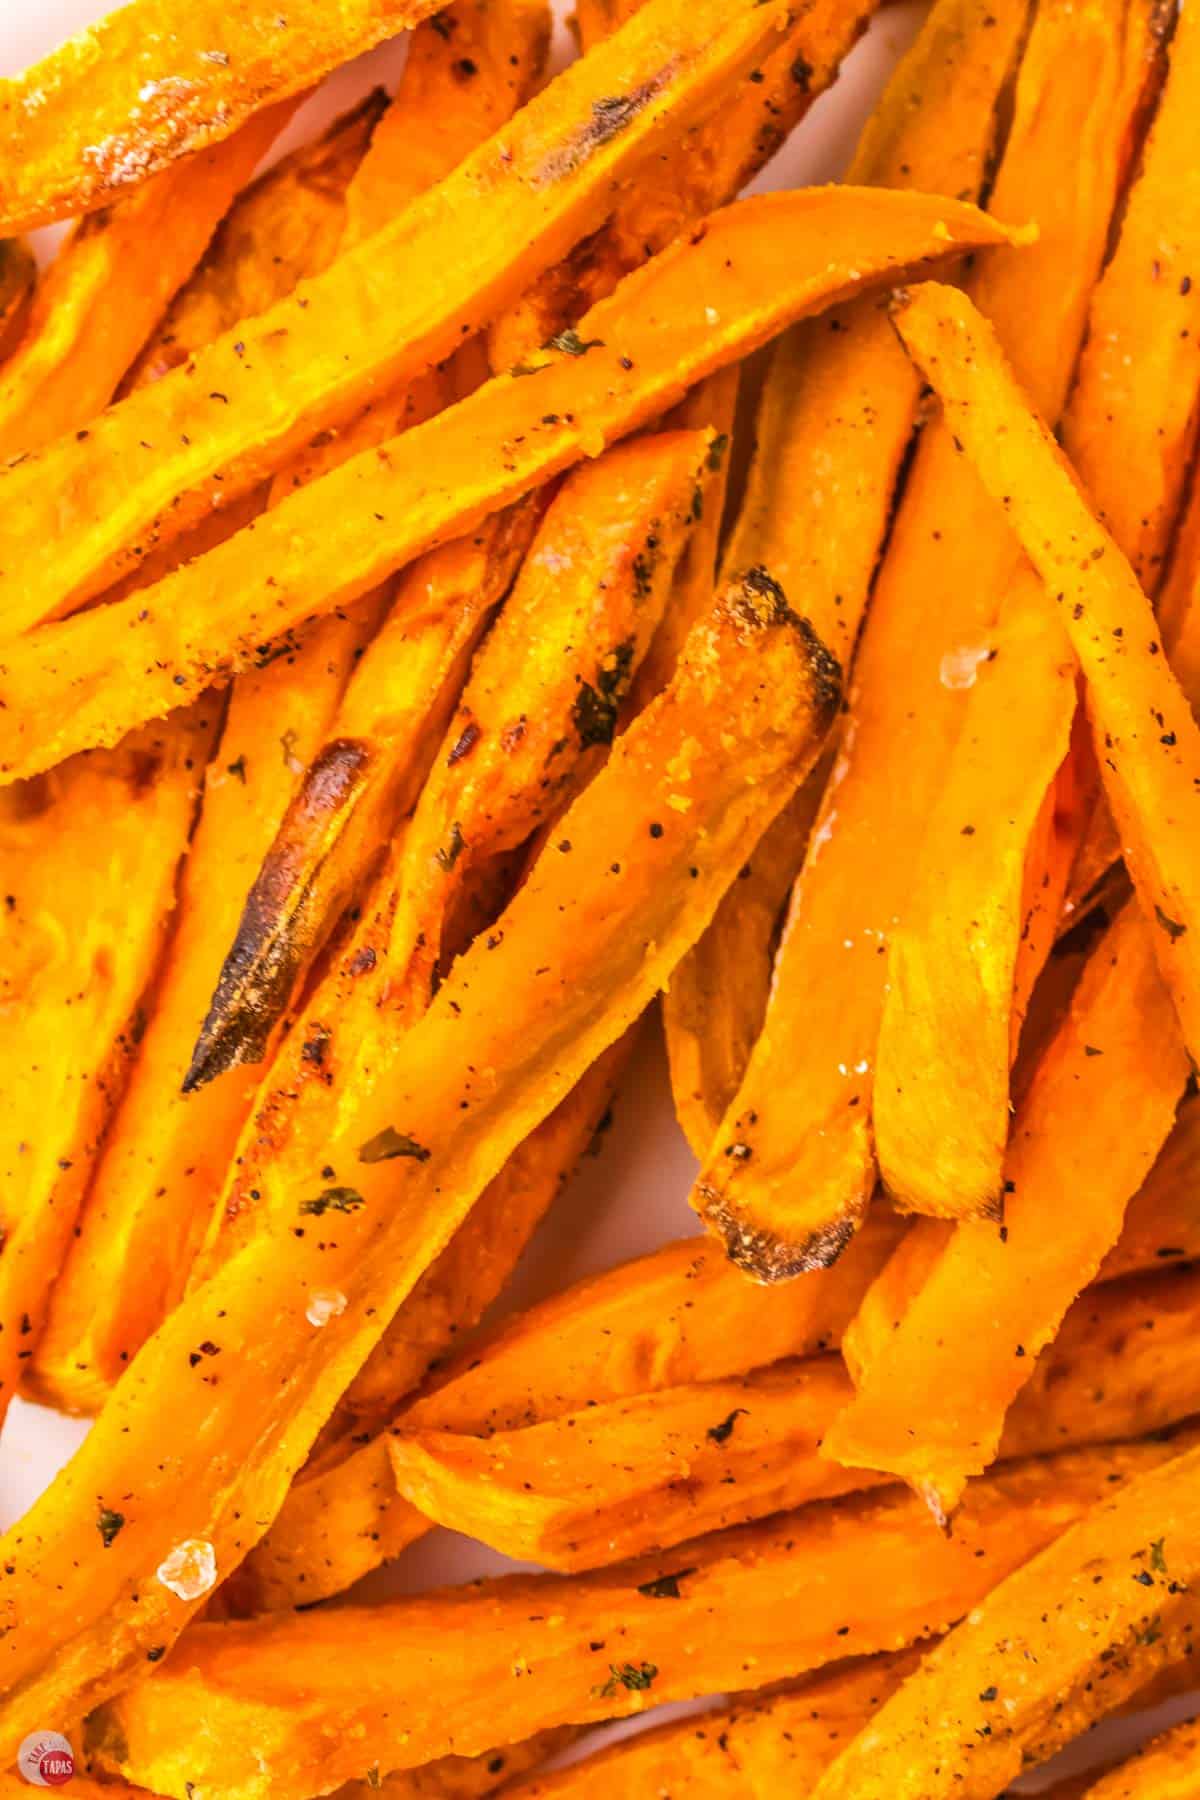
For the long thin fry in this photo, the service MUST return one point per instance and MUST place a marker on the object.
(1098, 1109)
(977, 931)
(1065, 1639)
(833, 422)
(467, 1084)
(508, 1656)
(766, 261)
(166, 1153)
(108, 286)
(343, 1516)
(528, 731)
(543, 696)
(952, 962)
(74, 981)
(705, 169)
(384, 313)
(803, 1171)
(1147, 742)
(764, 1745)
(286, 225)
(622, 1479)
(157, 80)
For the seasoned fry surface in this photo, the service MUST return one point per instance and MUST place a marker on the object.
(463, 581)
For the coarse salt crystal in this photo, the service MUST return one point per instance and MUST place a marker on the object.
(324, 1304)
(190, 1570)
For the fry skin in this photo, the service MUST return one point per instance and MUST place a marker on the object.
(767, 260)
(1146, 740)
(792, 1195)
(765, 1600)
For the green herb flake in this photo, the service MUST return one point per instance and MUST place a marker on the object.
(636, 1677)
(716, 451)
(374, 1778)
(1173, 928)
(390, 1143)
(666, 1587)
(1158, 1560)
(720, 1434)
(109, 1523)
(333, 1199)
(450, 852)
(571, 344)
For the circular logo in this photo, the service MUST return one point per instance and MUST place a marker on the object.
(46, 1759)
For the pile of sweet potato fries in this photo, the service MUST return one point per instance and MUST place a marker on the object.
(426, 644)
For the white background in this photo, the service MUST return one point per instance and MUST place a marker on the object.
(633, 1196)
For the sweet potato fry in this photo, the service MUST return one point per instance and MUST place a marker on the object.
(1162, 1223)
(714, 1008)
(107, 288)
(1178, 611)
(1168, 1768)
(157, 80)
(774, 1599)
(733, 733)
(166, 1154)
(1161, 1227)
(971, 942)
(834, 419)
(801, 1179)
(1136, 384)
(1089, 1130)
(710, 406)
(636, 1475)
(948, 1030)
(75, 974)
(361, 781)
(285, 226)
(343, 1516)
(1147, 741)
(387, 311)
(529, 729)
(766, 261)
(705, 169)
(543, 697)
(1065, 1639)
(763, 1745)
(18, 274)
